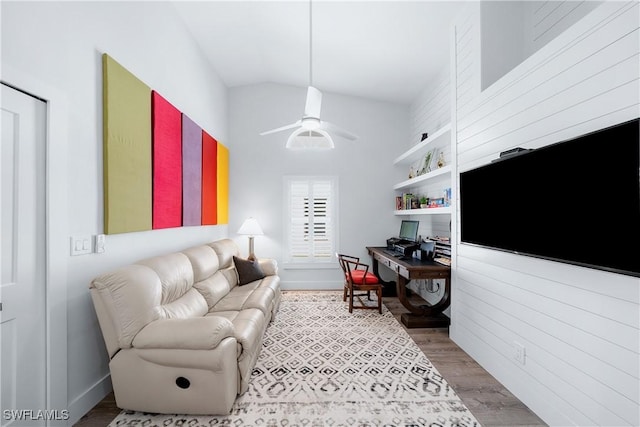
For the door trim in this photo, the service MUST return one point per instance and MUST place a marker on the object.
(56, 240)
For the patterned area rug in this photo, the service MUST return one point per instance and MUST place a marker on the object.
(321, 366)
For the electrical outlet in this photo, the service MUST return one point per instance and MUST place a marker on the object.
(519, 353)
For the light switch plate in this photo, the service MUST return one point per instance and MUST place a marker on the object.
(80, 245)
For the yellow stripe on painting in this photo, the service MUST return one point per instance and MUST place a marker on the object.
(223, 184)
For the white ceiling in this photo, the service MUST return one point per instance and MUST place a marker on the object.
(384, 50)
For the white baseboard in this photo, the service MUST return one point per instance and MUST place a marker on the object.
(90, 398)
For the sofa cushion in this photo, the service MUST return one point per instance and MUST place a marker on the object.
(175, 273)
(248, 270)
(204, 261)
(214, 288)
(191, 304)
(225, 250)
(242, 298)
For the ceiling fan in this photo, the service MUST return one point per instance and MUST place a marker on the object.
(312, 132)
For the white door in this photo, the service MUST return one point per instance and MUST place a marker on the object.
(22, 254)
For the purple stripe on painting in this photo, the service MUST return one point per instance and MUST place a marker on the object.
(191, 172)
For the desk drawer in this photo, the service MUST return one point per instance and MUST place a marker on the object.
(386, 262)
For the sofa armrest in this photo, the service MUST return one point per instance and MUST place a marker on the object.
(269, 266)
(198, 333)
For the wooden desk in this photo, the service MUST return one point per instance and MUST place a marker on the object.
(406, 269)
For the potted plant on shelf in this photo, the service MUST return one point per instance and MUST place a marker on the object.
(424, 202)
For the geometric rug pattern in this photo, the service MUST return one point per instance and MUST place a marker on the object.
(322, 366)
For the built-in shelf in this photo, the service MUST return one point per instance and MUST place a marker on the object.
(438, 140)
(443, 173)
(441, 137)
(427, 211)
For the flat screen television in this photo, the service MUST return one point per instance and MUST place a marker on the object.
(409, 230)
(575, 201)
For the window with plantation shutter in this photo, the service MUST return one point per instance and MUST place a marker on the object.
(311, 224)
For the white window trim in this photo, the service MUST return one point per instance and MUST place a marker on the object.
(330, 263)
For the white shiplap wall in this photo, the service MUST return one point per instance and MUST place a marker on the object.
(580, 327)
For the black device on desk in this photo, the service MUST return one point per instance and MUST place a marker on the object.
(407, 241)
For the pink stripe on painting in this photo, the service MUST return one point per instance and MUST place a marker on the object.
(167, 163)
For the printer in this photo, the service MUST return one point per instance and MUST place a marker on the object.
(407, 241)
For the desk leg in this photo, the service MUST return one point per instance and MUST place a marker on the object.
(424, 316)
(388, 288)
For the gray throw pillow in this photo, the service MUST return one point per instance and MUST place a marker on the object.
(248, 271)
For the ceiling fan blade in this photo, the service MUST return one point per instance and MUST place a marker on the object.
(314, 103)
(280, 129)
(336, 130)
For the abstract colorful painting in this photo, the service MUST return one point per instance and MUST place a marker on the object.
(161, 169)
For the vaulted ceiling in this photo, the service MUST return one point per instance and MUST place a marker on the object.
(383, 50)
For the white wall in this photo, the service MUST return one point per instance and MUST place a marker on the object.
(363, 167)
(580, 327)
(59, 44)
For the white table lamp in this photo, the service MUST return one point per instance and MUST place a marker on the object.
(251, 228)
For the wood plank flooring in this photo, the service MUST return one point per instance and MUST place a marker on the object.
(488, 400)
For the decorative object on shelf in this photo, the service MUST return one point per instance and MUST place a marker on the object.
(447, 196)
(428, 159)
(441, 159)
(436, 203)
(424, 136)
(412, 172)
(251, 228)
(424, 202)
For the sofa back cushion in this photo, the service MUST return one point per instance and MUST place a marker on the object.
(214, 288)
(204, 261)
(179, 299)
(226, 249)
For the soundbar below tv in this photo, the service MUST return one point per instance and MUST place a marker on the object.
(575, 201)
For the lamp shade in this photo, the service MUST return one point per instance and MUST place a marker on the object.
(250, 227)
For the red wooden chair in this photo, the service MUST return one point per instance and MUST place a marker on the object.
(357, 277)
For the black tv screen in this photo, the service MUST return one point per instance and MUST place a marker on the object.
(575, 201)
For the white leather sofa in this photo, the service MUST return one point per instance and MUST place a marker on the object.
(182, 334)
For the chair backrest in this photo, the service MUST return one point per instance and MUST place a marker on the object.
(342, 258)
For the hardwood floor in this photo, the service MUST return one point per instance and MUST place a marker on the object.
(488, 400)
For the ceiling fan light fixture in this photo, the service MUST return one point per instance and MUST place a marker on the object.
(306, 139)
(310, 123)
